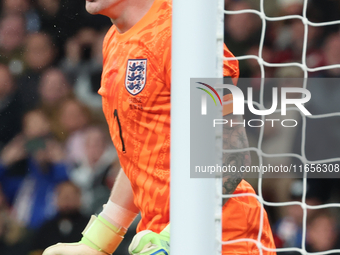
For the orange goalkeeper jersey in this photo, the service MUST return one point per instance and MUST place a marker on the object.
(135, 89)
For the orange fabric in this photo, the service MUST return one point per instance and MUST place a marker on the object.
(227, 108)
(139, 118)
(241, 219)
(144, 118)
(230, 67)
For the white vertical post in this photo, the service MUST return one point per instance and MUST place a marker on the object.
(219, 132)
(194, 47)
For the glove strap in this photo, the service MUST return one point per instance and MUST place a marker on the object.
(102, 236)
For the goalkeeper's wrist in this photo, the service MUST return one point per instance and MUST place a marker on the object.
(91, 229)
(102, 235)
(117, 216)
(105, 232)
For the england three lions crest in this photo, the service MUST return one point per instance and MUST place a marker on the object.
(135, 77)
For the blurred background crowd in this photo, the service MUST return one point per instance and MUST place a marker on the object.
(57, 162)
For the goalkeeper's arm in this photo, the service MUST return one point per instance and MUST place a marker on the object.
(234, 137)
(104, 233)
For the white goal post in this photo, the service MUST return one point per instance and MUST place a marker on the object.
(196, 34)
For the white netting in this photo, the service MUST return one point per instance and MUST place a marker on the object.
(303, 65)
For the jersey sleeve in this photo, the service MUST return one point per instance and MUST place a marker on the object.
(230, 67)
(227, 108)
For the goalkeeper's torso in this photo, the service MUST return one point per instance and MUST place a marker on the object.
(136, 102)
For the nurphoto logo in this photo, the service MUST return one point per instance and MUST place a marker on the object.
(239, 102)
(204, 97)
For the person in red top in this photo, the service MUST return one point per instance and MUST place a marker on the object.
(135, 88)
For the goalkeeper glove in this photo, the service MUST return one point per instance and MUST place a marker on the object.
(99, 238)
(150, 243)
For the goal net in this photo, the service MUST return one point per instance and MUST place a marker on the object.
(196, 203)
(309, 70)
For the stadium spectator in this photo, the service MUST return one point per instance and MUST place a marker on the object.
(10, 107)
(290, 7)
(322, 232)
(253, 66)
(39, 51)
(323, 145)
(79, 51)
(68, 223)
(12, 234)
(289, 228)
(57, 18)
(83, 64)
(12, 35)
(39, 55)
(289, 44)
(54, 88)
(242, 31)
(93, 173)
(250, 23)
(25, 8)
(14, 6)
(13, 167)
(41, 168)
(53, 20)
(73, 118)
(332, 55)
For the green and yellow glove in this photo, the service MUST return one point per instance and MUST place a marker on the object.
(150, 243)
(99, 238)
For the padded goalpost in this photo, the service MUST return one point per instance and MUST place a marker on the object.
(194, 55)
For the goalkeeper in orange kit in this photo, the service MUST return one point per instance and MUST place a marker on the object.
(135, 88)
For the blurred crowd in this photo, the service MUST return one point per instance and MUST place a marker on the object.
(57, 162)
(283, 43)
